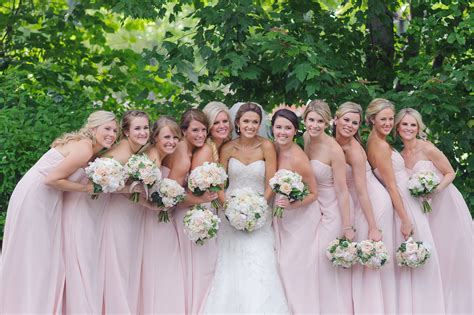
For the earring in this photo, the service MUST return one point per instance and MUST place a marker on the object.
(94, 139)
(237, 130)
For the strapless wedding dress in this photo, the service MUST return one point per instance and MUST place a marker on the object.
(246, 279)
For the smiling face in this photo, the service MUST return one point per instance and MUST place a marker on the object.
(315, 124)
(383, 121)
(106, 134)
(248, 124)
(408, 128)
(283, 130)
(196, 133)
(166, 140)
(221, 127)
(139, 131)
(348, 124)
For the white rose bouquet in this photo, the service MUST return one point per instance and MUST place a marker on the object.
(106, 174)
(372, 254)
(412, 253)
(200, 224)
(142, 171)
(289, 184)
(246, 210)
(167, 193)
(342, 252)
(421, 184)
(209, 176)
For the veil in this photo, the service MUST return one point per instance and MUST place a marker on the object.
(263, 131)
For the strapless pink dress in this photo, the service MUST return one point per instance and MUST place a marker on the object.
(420, 290)
(297, 256)
(32, 266)
(450, 223)
(162, 288)
(374, 291)
(334, 283)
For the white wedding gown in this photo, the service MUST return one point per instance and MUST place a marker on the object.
(246, 279)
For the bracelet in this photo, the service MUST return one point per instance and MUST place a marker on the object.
(348, 228)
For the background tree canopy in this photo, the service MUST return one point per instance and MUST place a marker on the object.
(59, 60)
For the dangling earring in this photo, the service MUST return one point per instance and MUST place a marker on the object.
(237, 130)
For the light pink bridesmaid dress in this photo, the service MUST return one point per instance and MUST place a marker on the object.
(374, 291)
(123, 250)
(83, 226)
(450, 223)
(297, 256)
(199, 265)
(335, 289)
(162, 274)
(419, 290)
(32, 266)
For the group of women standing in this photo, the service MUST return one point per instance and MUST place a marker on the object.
(64, 252)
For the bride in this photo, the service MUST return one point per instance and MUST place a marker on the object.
(246, 279)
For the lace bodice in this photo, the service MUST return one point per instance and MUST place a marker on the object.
(246, 175)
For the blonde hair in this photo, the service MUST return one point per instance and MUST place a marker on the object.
(212, 109)
(321, 108)
(165, 121)
(416, 115)
(345, 108)
(94, 120)
(376, 106)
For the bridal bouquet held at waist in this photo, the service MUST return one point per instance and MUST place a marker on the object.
(107, 175)
(421, 184)
(246, 210)
(142, 171)
(289, 184)
(209, 176)
(200, 224)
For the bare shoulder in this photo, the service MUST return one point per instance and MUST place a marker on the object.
(428, 148)
(206, 149)
(266, 144)
(82, 147)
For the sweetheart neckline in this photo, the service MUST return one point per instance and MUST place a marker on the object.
(246, 165)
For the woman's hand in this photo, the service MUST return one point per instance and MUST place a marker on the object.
(208, 196)
(282, 201)
(375, 234)
(406, 229)
(348, 233)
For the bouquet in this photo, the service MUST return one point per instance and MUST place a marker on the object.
(421, 184)
(143, 171)
(412, 253)
(200, 224)
(167, 193)
(342, 252)
(246, 209)
(289, 184)
(209, 176)
(106, 174)
(372, 254)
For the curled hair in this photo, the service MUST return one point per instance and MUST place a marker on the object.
(94, 120)
(417, 116)
(376, 106)
(128, 117)
(165, 121)
(287, 114)
(345, 108)
(246, 107)
(193, 114)
(321, 108)
(211, 110)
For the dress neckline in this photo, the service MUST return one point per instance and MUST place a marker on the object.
(236, 159)
(322, 163)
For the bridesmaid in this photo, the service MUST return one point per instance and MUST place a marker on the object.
(373, 291)
(450, 213)
(220, 128)
(162, 279)
(32, 267)
(124, 222)
(295, 233)
(328, 164)
(420, 289)
(198, 261)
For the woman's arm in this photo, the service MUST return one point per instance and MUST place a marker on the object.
(441, 162)
(358, 162)
(79, 154)
(201, 155)
(269, 154)
(338, 165)
(384, 165)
